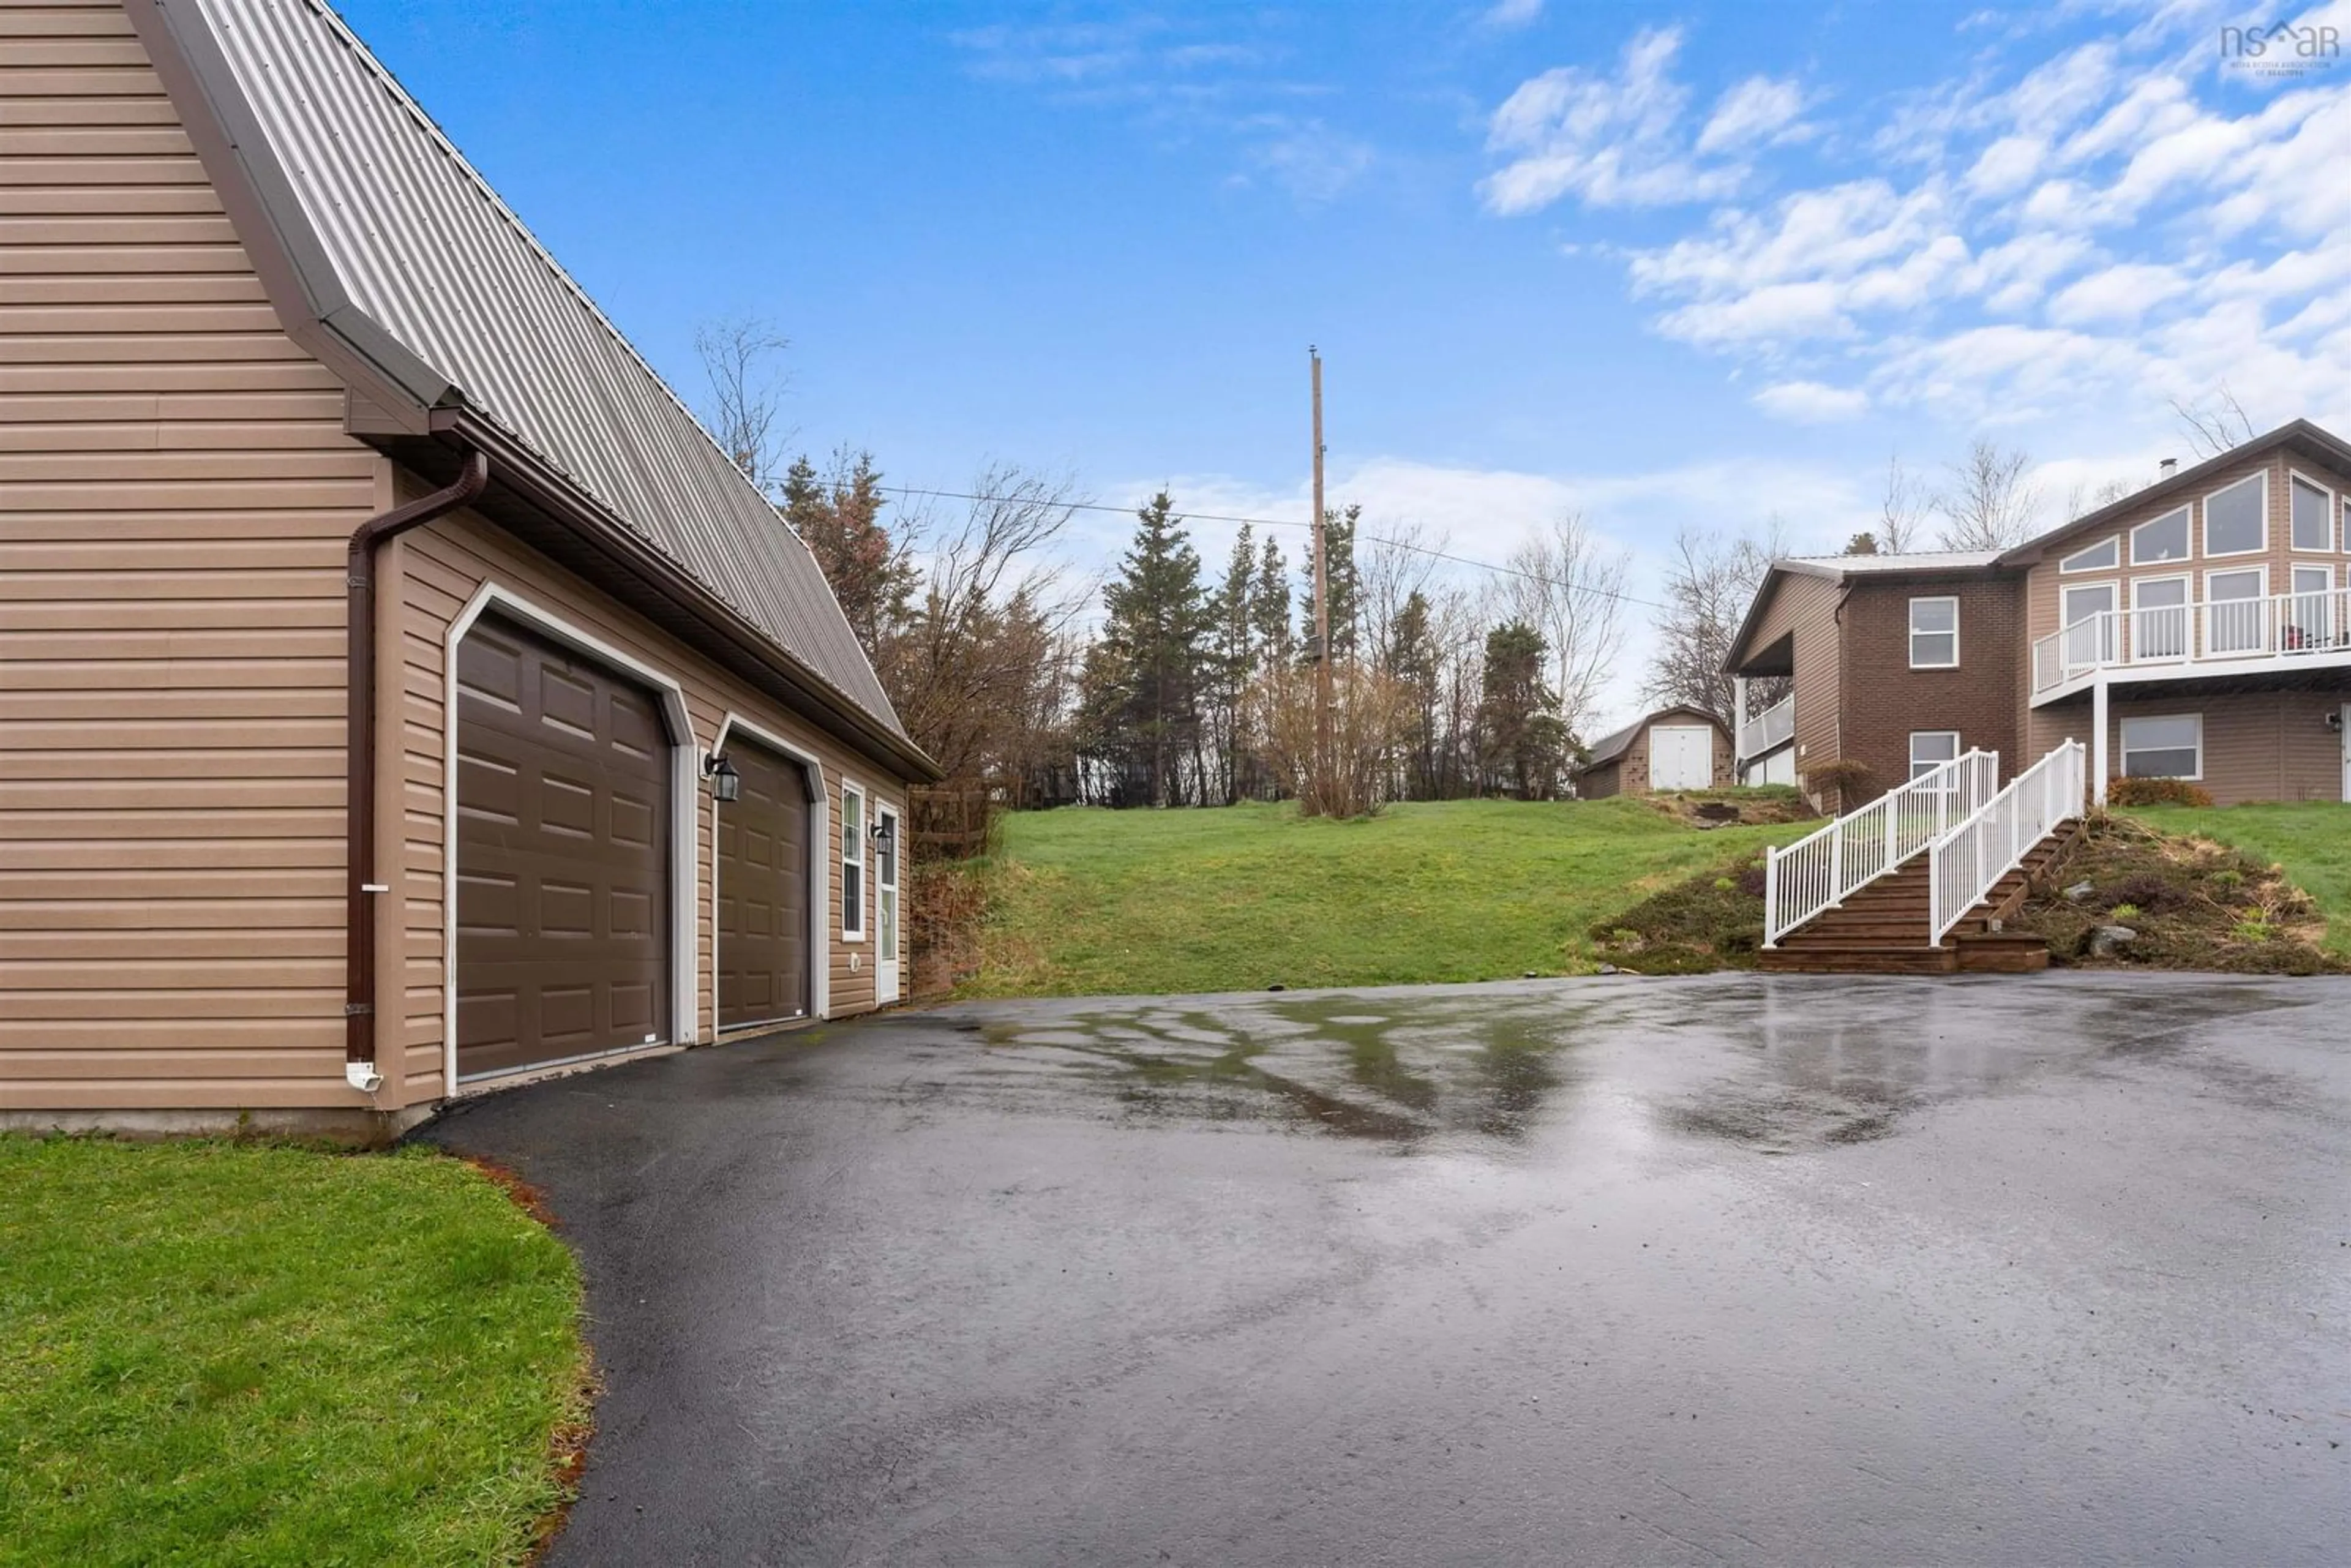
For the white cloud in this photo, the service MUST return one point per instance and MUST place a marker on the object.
(2048, 244)
(1607, 141)
(1811, 402)
(1314, 162)
(1758, 112)
(2118, 294)
(1504, 15)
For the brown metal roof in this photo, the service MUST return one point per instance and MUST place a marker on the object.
(407, 258)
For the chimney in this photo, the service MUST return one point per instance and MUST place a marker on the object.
(2166, 468)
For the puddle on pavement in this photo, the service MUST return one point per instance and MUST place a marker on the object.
(1395, 1073)
(1769, 1070)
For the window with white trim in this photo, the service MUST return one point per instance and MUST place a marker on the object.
(852, 863)
(2165, 539)
(2104, 556)
(2233, 520)
(1934, 633)
(2171, 746)
(2313, 516)
(1930, 748)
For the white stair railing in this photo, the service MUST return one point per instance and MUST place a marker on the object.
(1822, 871)
(1966, 862)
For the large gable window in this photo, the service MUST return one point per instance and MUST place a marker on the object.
(2313, 517)
(1934, 633)
(2166, 538)
(2168, 748)
(2233, 524)
(2104, 556)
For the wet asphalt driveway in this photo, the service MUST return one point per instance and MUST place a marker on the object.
(2050, 1270)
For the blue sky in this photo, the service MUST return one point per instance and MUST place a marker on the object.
(1698, 264)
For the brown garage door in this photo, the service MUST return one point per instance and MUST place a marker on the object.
(763, 891)
(562, 856)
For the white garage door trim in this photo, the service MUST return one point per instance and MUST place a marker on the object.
(684, 790)
(1703, 763)
(820, 856)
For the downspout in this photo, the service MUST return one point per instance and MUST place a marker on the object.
(359, 915)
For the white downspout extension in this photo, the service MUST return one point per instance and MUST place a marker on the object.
(2098, 741)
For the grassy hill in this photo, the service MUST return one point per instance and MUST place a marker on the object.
(1087, 902)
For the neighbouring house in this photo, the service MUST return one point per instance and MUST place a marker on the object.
(2198, 629)
(1672, 748)
(401, 693)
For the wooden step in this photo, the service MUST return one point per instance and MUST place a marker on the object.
(2001, 953)
(1828, 959)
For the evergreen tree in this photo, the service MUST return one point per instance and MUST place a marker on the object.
(1522, 745)
(839, 518)
(1234, 663)
(1157, 619)
(1414, 663)
(1340, 585)
(1270, 609)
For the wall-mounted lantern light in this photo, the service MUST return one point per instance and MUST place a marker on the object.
(885, 833)
(726, 784)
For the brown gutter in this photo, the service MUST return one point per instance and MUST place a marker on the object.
(527, 475)
(359, 917)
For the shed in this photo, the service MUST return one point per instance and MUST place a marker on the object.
(1679, 747)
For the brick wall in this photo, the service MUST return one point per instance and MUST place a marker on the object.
(1884, 699)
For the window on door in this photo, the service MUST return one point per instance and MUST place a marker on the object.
(852, 863)
(2168, 748)
(1934, 633)
(2310, 610)
(2233, 611)
(1930, 748)
(2089, 631)
(2159, 618)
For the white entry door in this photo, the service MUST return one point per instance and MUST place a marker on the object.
(1681, 756)
(885, 904)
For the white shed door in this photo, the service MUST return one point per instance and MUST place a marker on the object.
(1681, 756)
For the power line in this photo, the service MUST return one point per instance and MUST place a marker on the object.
(1408, 544)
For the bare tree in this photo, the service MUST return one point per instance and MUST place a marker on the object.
(739, 355)
(1710, 585)
(2081, 501)
(1902, 512)
(1569, 585)
(1989, 505)
(977, 671)
(1388, 570)
(2215, 423)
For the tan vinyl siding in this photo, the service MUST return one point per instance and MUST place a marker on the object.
(2045, 585)
(441, 566)
(2258, 745)
(177, 487)
(1807, 607)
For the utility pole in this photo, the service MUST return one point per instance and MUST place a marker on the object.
(1322, 760)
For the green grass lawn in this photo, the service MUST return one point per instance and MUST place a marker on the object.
(2310, 840)
(258, 1353)
(1088, 902)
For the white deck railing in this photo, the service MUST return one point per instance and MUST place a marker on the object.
(1821, 872)
(2315, 625)
(1771, 728)
(1966, 862)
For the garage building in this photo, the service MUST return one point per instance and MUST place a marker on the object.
(403, 694)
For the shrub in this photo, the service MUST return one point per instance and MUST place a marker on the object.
(2254, 929)
(2156, 792)
(2227, 877)
(2125, 911)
